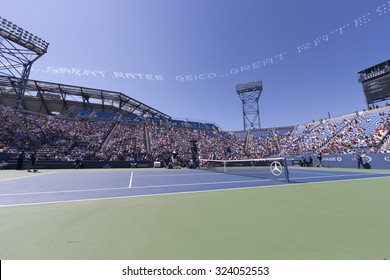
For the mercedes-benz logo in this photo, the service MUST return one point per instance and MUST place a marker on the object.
(276, 168)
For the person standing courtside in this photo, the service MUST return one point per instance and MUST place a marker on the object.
(319, 157)
(174, 159)
(20, 158)
(33, 159)
(359, 160)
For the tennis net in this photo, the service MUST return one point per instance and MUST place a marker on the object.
(264, 168)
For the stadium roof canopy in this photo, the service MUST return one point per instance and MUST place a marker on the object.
(88, 96)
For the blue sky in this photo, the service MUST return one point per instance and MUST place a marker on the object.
(185, 57)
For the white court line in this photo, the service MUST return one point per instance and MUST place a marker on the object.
(182, 174)
(135, 196)
(59, 192)
(28, 176)
(131, 179)
(341, 175)
(176, 185)
(204, 183)
(182, 193)
(295, 171)
(116, 189)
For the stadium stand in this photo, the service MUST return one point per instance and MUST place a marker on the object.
(85, 113)
(105, 116)
(134, 118)
(132, 138)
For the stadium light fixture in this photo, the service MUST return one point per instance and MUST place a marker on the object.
(22, 37)
(19, 49)
(248, 87)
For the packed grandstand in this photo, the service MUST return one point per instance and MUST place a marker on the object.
(110, 137)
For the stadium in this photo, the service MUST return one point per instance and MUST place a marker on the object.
(116, 178)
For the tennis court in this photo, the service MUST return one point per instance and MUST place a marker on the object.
(194, 214)
(49, 186)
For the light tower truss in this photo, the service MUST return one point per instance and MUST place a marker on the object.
(249, 94)
(19, 49)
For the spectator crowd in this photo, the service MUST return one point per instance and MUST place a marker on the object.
(64, 139)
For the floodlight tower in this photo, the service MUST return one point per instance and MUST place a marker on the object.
(19, 49)
(249, 94)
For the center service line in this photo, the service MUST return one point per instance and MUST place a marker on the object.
(131, 179)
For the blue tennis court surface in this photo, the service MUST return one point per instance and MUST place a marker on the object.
(52, 186)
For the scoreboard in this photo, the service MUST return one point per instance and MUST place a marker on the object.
(376, 82)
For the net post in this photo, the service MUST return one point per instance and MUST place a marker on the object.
(286, 174)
